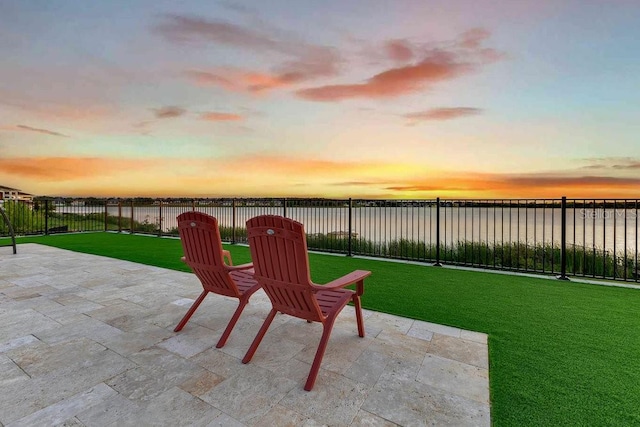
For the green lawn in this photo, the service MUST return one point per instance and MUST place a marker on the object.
(561, 353)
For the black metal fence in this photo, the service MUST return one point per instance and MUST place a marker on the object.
(594, 238)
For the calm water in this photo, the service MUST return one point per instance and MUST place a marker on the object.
(599, 228)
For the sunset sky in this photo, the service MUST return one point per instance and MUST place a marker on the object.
(338, 98)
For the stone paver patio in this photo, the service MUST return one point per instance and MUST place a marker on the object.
(88, 341)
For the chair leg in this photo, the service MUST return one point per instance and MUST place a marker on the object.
(232, 323)
(258, 338)
(358, 307)
(193, 308)
(315, 367)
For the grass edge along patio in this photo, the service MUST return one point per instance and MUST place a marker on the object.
(560, 353)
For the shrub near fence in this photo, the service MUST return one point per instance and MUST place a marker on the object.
(587, 238)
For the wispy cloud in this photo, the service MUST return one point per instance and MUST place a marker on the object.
(214, 116)
(439, 114)
(168, 112)
(44, 131)
(300, 61)
(614, 163)
(186, 29)
(445, 62)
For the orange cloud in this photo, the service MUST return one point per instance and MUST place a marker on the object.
(168, 112)
(67, 168)
(220, 117)
(317, 62)
(510, 186)
(437, 114)
(437, 64)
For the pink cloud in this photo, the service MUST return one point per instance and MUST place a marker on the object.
(322, 63)
(399, 50)
(451, 60)
(437, 114)
(220, 117)
(168, 112)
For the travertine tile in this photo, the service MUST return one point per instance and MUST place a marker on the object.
(190, 342)
(112, 410)
(399, 399)
(469, 352)
(67, 408)
(404, 372)
(364, 418)
(224, 420)
(249, 394)
(174, 407)
(282, 417)
(201, 383)
(368, 367)
(400, 346)
(334, 400)
(455, 377)
(10, 372)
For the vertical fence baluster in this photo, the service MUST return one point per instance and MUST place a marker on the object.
(349, 247)
(46, 217)
(160, 219)
(437, 264)
(563, 239)
(233, 221)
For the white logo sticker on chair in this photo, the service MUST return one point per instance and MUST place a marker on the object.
(193, 224)
(270, 232)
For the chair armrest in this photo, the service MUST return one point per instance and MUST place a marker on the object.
(356, 277)
(227, 255)
(239, 267)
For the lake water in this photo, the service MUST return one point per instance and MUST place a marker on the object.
(590, 227)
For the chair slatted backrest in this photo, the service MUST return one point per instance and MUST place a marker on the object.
(202, 248)
(279, 253)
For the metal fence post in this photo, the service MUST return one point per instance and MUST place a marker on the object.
(437, 263)
(131, 227)
(284, 207)
(160, 219)
(350, 247)
(563, 240)
(46, 217)
(105, 215)
(119, 216)
(233, 221)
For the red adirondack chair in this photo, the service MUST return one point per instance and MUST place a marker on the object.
(279, 253)
(203, 252)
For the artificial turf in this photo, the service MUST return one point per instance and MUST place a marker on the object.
(560, 353)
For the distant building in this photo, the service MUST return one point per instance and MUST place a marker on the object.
(8, 193)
